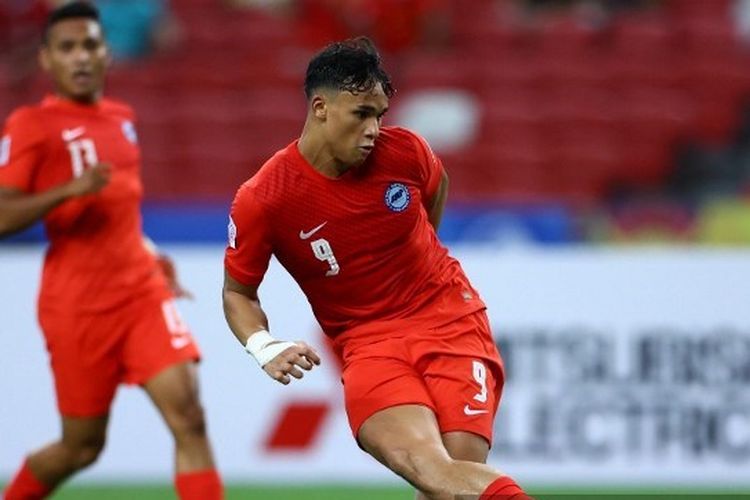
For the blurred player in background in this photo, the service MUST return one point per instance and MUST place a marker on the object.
(105, 303)
(351, 211)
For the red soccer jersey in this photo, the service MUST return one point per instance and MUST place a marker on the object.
(360, 246)
(96, 258)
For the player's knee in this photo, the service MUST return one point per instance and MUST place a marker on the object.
(84, 455)
(189, 421)
(88, 455)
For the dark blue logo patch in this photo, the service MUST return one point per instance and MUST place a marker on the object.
(397, 197)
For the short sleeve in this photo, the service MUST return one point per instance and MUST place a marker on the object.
(430, 167)
(249, 245)
(21, 151)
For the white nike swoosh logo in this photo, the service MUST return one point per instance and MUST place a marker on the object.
(471, 411)
(180, 342)
(72, 133)
(305, 235)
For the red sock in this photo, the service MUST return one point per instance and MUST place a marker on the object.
(25, 486)
(199, 485)
(504, 488)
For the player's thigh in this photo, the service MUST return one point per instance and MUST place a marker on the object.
(379, 377)
(174, 391)
(85, 357)
(157, 339)
(402, 435)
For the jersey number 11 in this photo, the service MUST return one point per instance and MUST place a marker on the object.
(82, 154)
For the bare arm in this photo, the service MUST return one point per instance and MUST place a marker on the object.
(245, 317)
(437, 204)
(242, 309)
(19, 210)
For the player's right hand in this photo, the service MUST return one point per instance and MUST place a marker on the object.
(92, 180)
(289, 362)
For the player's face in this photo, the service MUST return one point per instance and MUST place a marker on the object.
(353, 124)
(76, 57)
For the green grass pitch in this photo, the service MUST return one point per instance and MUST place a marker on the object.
(318, 492)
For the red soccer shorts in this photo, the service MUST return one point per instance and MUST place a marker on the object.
(454, 369)
(91, 354)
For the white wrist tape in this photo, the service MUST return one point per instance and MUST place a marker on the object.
(261, 346)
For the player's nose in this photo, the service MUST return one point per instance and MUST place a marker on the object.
(372, 131)
(81, 55)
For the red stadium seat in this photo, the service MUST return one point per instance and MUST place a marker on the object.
(566, 110)
(583, 165)
(563, 35)
(698, 9)
(643, 34)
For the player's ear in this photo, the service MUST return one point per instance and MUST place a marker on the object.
(108, 56)
(319, 107)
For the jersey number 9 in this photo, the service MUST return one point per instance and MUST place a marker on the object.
(323, 252)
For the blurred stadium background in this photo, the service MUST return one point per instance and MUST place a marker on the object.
(599, 155)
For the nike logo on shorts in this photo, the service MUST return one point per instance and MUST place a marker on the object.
(305, 235)
(472, 411)
(70, 134)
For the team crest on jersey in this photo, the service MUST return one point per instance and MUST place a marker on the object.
(128, 130)
(232, 234)
(4, 150)
(397, 197)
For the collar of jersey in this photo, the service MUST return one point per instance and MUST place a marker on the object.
(57, 101)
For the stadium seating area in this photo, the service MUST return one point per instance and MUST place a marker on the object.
(569, 111)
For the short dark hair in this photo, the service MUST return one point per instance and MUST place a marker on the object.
(69, 10)
(352, 65)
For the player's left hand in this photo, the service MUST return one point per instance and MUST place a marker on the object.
(170, 272)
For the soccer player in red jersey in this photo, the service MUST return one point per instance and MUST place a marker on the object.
(351, 210)
(105, 303)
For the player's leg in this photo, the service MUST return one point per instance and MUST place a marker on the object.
(465, 446)
(406, 439)
(83, 350)
(392, 415)
(160, 355)
(80, 445)
(174, 391)
(464, 377)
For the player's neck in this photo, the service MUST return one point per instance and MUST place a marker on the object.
(313, 149)
(89, 100)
